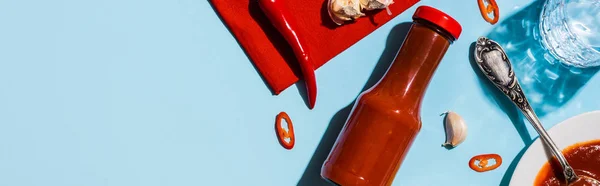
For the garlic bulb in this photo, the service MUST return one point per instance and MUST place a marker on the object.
(375, 4)
(344, 10)
(456, 129)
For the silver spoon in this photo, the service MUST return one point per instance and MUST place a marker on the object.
(494, 64)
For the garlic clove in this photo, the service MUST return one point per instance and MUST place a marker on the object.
(344, 10)
(456, 129)
(375, 4)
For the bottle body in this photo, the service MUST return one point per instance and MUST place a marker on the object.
(385, 119)
(366, 129)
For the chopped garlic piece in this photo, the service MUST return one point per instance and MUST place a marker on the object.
(456, 129)
(375, 4)
(344, 10)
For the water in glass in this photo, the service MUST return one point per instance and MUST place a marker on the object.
(570, 30)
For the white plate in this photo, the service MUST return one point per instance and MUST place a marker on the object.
(581, 128)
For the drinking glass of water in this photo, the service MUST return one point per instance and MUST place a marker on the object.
(570, 30)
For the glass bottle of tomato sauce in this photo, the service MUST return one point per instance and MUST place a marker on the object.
(386, 118)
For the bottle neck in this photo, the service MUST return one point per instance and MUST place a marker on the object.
(411, 71)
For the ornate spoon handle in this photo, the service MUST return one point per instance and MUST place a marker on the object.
(496, 66)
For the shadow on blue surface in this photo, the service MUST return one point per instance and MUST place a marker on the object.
(546, 82)
(511, 168)
(312, 173)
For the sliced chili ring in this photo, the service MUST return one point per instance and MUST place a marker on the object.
(282, 133)
(479, 163)
(491, 7)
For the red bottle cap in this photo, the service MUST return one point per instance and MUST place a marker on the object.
(440, 19)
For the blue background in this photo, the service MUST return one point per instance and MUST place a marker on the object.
(132, 92)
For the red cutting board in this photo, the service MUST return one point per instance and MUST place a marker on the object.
(269, 52)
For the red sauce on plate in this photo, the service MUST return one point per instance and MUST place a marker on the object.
(583, 157)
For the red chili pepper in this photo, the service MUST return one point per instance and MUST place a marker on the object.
(491, 7)
(479, 163)
(286, 25)
(283, 134)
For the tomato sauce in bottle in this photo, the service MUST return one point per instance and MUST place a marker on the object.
(386, 118)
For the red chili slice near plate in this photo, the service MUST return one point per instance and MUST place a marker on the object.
(480, 163)
(286, 137)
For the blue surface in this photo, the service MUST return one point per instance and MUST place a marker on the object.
(159, 93)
